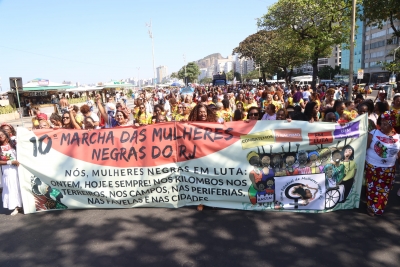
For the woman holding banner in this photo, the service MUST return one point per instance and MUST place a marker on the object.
(202, 113)
(8, 159)
(383, 148)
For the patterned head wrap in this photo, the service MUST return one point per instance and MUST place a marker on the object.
(390, 117)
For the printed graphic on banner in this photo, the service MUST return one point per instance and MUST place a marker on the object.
(288, 135)
(177, 164)
(333, 168)
(320, 138)
(301, 191)
(257, 139)
(350, 130)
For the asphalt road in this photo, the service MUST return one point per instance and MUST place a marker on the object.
(213, 237)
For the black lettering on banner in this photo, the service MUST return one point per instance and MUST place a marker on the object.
(40, 148)
(124, 139)
(228, 132)
(157, 133)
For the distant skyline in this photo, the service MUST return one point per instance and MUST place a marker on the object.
(96, 41)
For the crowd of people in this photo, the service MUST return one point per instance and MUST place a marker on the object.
(225, 104)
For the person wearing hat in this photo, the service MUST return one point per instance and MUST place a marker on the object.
(383, 149)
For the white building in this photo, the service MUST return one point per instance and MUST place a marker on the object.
(161, 73)
(203, 73)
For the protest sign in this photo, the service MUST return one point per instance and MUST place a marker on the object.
(261, 165)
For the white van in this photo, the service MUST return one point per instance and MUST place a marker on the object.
(302, 80)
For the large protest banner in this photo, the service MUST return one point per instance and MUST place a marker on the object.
(263, 165)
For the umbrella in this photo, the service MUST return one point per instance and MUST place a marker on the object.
(176, 84)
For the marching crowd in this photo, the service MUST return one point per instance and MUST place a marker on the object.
(225, 104)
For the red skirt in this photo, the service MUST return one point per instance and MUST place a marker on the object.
(380, 181)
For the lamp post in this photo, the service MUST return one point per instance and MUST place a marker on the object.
(138, 69)
(184, 62)
(353, 22)
(152, 45)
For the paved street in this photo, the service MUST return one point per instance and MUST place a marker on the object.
(213, 237)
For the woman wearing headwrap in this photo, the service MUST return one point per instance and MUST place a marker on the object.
(383, 148)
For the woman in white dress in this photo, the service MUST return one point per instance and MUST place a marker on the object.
(9, 164)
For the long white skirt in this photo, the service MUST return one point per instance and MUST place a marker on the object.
(11, 190)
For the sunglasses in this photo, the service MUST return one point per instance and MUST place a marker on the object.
(253, 114)
(180, 107)
(65, 118)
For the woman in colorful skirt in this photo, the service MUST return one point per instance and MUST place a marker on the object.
(382, 152)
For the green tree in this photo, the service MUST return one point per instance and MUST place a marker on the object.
(238, 76)
(326, 72)
(317, 24)
(192, 72)
(393, 66)
(272, 54)
(250, 75)
(174, 75)
(229, 76)
(382, 11)
(206, 80)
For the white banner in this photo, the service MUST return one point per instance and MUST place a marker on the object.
(267, 165)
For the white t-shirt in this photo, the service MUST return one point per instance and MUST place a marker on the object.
(94, 117)
(306, 95)
(268, 117)
(110, 107)
(337, 94)
(383, 149)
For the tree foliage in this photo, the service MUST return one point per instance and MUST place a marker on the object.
(174, 75)
(206, 80)
(251, 75)
(192, 72)
(382, 11)
(327, 72)
(273, 51)
(318, 24)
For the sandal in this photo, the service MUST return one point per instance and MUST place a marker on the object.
(15, 212)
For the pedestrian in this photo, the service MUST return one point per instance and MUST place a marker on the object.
(63, 104)
(383, 149)
(90, 103)
(202, 113)
(11, 194)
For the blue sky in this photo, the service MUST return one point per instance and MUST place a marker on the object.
(89, 41)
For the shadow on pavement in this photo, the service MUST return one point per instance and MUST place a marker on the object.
(214, 237)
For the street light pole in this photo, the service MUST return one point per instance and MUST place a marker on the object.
(184, 62)
(152, 44)
(138, 69)
(351, 67)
